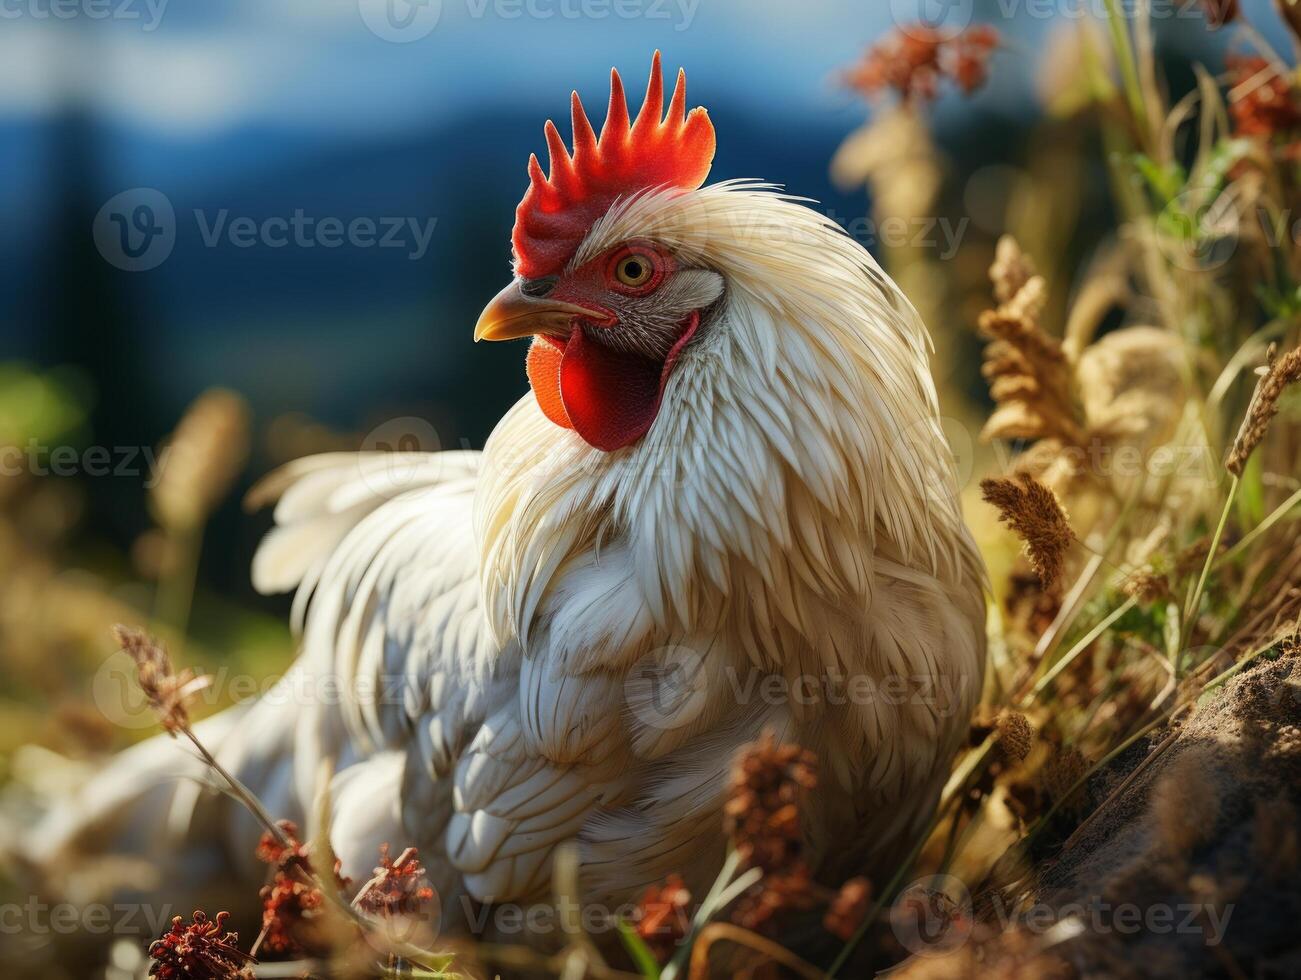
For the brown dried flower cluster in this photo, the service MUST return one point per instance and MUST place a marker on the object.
(400, 887)
(762, 813)
(1281, 372)
(201, 459)
(202, 950)
(1263, 104)
(1015, 735)
(1028, 374)
(762, 819)
(663, 917)
(292, 904)
(1031, 510)
(914, 60)
(167, 691)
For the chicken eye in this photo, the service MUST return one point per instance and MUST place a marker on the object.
(634, 270)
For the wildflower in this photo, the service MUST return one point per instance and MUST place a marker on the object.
(1015, 735)
(761, 815)
(272, 850)
(1031, 510)
(166, 690)
(201, 459)
(400, 887)
(292, 904)
(1262, 103)
(914, 60)
(1281, 372)
(848, 908)
(663, 918)
(289, 906)
(202, 950)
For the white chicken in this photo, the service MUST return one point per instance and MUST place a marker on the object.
(726, 506)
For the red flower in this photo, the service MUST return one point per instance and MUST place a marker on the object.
(203, 950)
(292, 903)
(914, 60)
(399, 888)
(1262, 102)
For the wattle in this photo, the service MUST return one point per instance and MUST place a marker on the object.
(609, 397)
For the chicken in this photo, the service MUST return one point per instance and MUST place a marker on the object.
(725, 507)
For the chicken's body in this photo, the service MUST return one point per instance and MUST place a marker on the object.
(552, 642)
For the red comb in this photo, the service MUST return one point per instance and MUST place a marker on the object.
(558, 209)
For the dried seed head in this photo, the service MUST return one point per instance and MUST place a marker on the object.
(762, 812)
(1031, 510)
(1027, 370)
(1281, 372)
(167, 691)
(202, 950)
(201, 459)
(1011, 270)
(1147, 586)
(1015, 735)
(294, 918)
(400, 887)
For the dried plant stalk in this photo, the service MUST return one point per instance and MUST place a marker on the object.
(1281, 372)
(1031, 510)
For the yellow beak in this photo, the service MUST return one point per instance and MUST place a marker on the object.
(512, 314)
